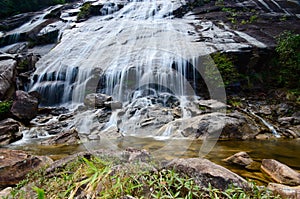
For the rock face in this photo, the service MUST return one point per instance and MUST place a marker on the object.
(14, 165)
(205, 172)
(24, 107)
(9, 131)
(280, 173)
(285, 191)
(241, 158)
(7, 76)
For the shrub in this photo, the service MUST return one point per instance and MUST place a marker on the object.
(226, 68)
(84, 11)
(288, 49)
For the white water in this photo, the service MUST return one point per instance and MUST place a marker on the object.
(268, 125)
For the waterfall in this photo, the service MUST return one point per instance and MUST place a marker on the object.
(131, 52)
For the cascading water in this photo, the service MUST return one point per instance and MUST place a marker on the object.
(141, 55)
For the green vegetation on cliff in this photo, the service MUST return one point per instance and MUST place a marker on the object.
(288, 69)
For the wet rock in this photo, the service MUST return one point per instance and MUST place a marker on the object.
(96, 100)
(285, 191)
(136, 155)
(7, 77)
(5, 192)
(9, 131)
(286, 120)
(24, 107)
(280, 173)
(212, 104)
(241, 158)
(113, 105)
(15, 165)
(66, 137)
(214, 125)
(205, 172)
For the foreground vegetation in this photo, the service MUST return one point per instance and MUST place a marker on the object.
(99, 178)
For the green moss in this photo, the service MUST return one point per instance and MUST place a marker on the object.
(5, 107)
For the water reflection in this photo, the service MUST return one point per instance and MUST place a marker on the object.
(285, 151)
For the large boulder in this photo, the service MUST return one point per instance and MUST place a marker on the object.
(214, 125)
(206, 172)
(66, 137)
(15, 165)
(7, 76)
(280, 173)
(285, 191)
(25, 106)
(9, 131)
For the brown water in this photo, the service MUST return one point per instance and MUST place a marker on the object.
(285, 151)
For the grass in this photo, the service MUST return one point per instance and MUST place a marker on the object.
(98, 178)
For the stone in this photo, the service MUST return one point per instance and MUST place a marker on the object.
(96, 100)
(285, 191)
(212, 104)
(280, 173)
(205, 172)
(7, 77)
(9, 131)
(5, 192)
(15, 165)
(113, 105)
(136, 155)
(214, 125)
(66, 137)
(286, 120)
(24, 107)
(241, 158)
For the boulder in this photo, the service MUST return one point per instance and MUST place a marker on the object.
(24, 107)
(285, 191)
(280, 173)
(241, 158)
(214, 125)
(96, 100)
(15, 165)
(7, 76)
(5, 192)
(9, 131)
(66, 137)
(205, 172)
(212, 104)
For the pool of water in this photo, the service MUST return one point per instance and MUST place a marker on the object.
(283, 150)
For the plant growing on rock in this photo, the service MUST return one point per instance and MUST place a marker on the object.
(84, 12)
(4, 107)
(226, 68)
(288, 50)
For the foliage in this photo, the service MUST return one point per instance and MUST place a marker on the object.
(288, 50)
(225, 67)
(98, 178)
(84, 11)
(12, 7)
(5, 106)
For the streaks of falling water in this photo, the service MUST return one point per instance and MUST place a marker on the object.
(141, 44)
